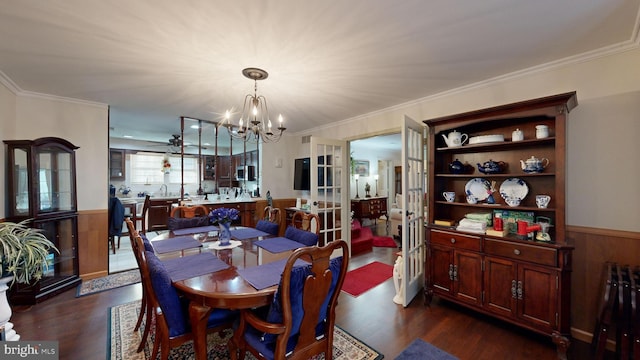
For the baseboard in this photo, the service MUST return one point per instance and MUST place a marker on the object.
(586, 337)
(94, 275)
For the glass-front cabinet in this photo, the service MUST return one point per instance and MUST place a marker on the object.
(41, 187)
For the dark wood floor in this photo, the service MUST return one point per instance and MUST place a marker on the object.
(80, 324)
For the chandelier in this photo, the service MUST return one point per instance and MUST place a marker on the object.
(254, 124)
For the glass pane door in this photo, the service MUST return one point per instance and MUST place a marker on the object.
(21, 182)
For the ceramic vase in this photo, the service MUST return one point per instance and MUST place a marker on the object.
(225, 234)
(5, 312)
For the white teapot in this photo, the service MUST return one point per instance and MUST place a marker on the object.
(455, 138)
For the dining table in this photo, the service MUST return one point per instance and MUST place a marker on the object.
(229, 288)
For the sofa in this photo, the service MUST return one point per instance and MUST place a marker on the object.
(395, 217)
(361, 238)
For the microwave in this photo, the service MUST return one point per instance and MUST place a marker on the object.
(246, 173)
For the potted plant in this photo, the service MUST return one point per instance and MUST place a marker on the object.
(23, 258)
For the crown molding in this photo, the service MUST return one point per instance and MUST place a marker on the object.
(632, 44)
(17, 91)
(36, 95)
(9, 84)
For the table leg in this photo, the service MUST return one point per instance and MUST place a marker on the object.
(198, 315)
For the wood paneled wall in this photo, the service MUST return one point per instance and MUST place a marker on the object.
(593, 248)
(93, 249)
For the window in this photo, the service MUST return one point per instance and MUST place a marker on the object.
(148, 169)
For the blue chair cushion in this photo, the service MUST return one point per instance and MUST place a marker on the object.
(146, 243)
(304, 237)
(182, 223)
(174, 307)
(268, 227)
(265, 343)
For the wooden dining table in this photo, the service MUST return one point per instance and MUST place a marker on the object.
(224, 289)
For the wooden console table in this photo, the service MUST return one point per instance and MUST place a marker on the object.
(369, 208)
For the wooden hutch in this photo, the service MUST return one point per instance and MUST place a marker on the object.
(510, 277)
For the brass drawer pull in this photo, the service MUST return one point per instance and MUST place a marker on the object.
(453, 241)
(516, 251)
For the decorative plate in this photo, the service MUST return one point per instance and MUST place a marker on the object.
(514, 188)
(478, 187)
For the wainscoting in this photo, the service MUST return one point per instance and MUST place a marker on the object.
(594, 247)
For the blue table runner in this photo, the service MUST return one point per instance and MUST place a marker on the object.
(191, 266)
(247, 233)
(278, 244)
(175, 244)
(264, 276)
(195, 230)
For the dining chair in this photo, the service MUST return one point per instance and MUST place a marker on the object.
(306, 221)
(116, 218)
(189, 211)
(268, 227)
(301, 319)
(145, 307)
(172, 325)
(272, 214)
(143, 215)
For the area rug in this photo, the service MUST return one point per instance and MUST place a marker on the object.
(108, 282)
(366, 277)
(384, 241)
(122, 341)
(422, 350)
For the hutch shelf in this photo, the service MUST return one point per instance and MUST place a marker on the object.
(513, 277)
(41, 186)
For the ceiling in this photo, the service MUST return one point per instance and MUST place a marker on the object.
(153, 61)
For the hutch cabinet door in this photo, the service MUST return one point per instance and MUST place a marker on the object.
(442, 269)
(500, 286)
(467, 277)
(538, 296)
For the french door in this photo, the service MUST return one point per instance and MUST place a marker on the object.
(413, 246)
(329, 171)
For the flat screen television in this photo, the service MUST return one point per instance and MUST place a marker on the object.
(301, 180)
(302, 173)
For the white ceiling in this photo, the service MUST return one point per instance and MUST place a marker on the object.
(153, 61)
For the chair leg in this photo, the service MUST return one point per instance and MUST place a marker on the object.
(147, 328)
(143, 310)
(112, 243)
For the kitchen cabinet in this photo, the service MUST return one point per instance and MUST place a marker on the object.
(117, 164)
(507, 275)
(209, 170)
(224, 171)
(247, 210)
(158, 213)
(41, 185)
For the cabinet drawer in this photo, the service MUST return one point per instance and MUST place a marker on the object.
(456, 240)
(524, 252)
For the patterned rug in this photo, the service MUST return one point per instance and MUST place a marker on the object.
(108, 282)
(122, 341)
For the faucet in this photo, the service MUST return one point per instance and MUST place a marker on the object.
(163, 186)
